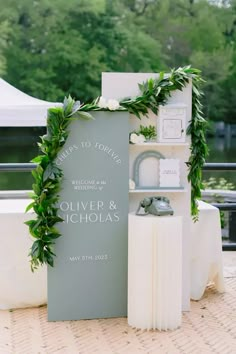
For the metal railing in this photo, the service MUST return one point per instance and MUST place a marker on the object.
(231, 207)
(219, 166)
(17, 167)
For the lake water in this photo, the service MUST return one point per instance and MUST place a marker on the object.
(20, 145)
(221, 150)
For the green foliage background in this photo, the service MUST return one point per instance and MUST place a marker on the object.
(49, 48)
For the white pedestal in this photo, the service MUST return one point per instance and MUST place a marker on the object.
(155, 272)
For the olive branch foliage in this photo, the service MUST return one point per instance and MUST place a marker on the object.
(48, 176)
(155, 92)
(47, 181)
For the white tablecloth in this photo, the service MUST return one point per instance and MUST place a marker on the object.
(155, 272)
(19, 287)
(206, 251)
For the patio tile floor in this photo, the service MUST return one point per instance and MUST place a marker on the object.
(210, 327)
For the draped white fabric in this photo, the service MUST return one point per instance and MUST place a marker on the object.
(19, 287)
(206, 251)
(18, 109)
(153, 255)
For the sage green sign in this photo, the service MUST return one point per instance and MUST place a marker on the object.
(89, 279)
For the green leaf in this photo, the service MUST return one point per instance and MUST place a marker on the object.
(75, 108)
(54, 231)
(30, 206)
(36, 189)
(50, 260)
(37, 223)
(51, 236)
(30, 222)
(38, 158)
(36, 248)
(68, 105)
(84, 115)
(51, 172)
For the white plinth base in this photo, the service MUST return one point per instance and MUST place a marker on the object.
(155, 272)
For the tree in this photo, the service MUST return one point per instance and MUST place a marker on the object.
(194, 32)
(57, 47)
(49, 48)
(4, 30)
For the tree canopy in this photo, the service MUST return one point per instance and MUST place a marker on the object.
(49, 48)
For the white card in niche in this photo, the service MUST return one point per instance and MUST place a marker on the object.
(172, 128)
(169, 173)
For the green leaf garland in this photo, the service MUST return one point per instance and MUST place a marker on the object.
(48, 176)
(155, 92)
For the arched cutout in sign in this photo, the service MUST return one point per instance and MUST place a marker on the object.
(143, 156)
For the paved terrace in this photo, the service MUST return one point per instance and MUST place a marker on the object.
(210, 327)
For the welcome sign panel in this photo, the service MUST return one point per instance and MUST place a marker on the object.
(89, 279)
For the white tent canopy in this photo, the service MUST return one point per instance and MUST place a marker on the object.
(17, 109)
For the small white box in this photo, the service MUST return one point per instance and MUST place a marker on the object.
(171, 124)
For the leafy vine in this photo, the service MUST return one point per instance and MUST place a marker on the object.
(155, 92)
(48, 176)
